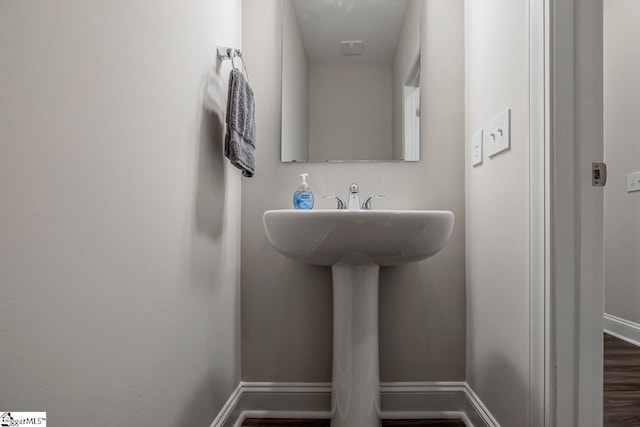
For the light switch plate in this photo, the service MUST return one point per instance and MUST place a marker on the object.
(499, 133)
(476, 148)
(633, 182)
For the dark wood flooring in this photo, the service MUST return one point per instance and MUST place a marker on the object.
(423, 423)
(621, 383)
(254, 422)
(250, 422)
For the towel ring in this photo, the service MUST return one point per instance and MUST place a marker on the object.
(231, 53)
(237, 52)
(246, 73)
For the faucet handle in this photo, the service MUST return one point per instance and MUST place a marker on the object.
(367, 203)
(341, 203)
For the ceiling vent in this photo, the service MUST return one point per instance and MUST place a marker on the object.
(351, 47)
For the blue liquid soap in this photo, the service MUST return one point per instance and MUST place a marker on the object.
(303, 197)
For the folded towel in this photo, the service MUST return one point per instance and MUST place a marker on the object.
(240, 139)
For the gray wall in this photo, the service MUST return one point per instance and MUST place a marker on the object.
(119, 257)
(295, 87)
(622, 154)
(350, 112)
(497, 209)
(286, 306)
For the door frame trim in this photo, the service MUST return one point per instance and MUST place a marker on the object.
(573, 252)
(539, 332)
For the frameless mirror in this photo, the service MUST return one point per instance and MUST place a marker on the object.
(350, 80)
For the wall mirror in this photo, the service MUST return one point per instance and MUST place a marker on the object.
(350, 80)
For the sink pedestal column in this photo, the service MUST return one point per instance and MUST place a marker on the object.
(355, 398)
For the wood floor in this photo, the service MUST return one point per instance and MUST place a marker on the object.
(252, 422)
(621, 383)
(423, 423)
(325, 423)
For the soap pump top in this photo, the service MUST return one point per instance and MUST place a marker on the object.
(304, 184)
(303, 197)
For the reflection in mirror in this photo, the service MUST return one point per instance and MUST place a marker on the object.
(350, 80)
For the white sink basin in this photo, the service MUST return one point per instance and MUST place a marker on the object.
(376, 237)
(355, 244)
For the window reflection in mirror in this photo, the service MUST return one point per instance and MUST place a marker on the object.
(350, 80)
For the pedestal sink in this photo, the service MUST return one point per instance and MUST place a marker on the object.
(355, 244)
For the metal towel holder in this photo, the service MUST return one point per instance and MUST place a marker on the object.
(230, 53)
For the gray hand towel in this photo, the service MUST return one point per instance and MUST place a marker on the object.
(240, 139)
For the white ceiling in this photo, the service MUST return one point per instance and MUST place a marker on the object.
(325, 23)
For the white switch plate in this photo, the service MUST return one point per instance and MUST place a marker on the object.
(633, 182)
(476, 148)
(499, 133)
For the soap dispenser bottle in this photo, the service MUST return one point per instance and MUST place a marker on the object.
(303, 197)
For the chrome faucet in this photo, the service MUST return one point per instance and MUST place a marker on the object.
(341, 204)
(366, 206)
(354, 199)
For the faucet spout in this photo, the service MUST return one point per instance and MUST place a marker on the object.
(354, 197)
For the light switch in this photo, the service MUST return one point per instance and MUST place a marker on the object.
(499, 133)
(633, 182)
(476, 148)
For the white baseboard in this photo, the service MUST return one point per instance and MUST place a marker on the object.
(623, 329)
(229, 413)
(481, 413)
(407, 400)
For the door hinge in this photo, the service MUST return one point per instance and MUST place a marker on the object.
(598, 174)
